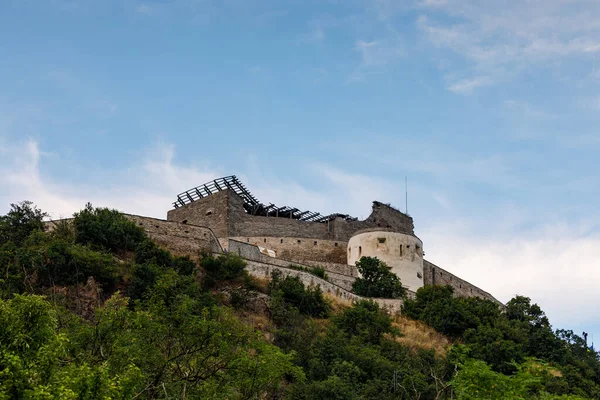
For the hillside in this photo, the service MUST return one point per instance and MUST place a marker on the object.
(96, 310)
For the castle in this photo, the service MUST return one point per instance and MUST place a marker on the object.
(224, 216)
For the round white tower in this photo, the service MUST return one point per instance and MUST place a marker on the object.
(403, 253)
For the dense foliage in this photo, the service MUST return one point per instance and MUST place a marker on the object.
(377, 280)
(159, 326)
(504, 340)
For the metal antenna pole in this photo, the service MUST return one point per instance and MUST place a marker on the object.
(406, 187)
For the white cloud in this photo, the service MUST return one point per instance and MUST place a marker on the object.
(499, 38)
(468, 85)
(147, 188)
(558, 267)
(375, 55)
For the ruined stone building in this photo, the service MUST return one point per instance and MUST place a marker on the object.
(223, 215)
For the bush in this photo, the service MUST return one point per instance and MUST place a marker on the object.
(316, 271)
(319, 271)
(22, 219)
(377, 280)
(225, 267)
(366, 320)
(107, 229)
(308, 301)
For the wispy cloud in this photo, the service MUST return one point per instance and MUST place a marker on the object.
(144, 9)
(375, 55)
(147, 187)
(468, 85)
(500, 38)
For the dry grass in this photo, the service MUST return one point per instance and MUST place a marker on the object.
(337, 305)
(262, 284)
(417, 335)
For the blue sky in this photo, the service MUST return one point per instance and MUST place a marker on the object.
(491, 110)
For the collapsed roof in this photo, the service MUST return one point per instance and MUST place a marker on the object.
(251, 203)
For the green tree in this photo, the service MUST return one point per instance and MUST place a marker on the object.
(106, 229)
(22, 219)
(377, 280)
(35, 362)
(366, 320)
(307, 300)
(225, 267)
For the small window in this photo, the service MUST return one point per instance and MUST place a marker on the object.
(299, 241)
(247, 240)
(335, 244)
(407, 246)
(209, 212)
(265, 240)
(280, 240)
(419, 275)
(460, 285)
(359, 251)
(156, 226)
(140, 224)
(315, 243)
(381, 240)
(400, 250)
(187, 231)
(184, 221)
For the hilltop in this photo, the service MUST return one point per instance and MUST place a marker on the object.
(98, 307)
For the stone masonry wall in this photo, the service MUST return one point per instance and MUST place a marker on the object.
(299, 249)
(180, 239)
(263, 270)
(242, 224)
(224, 213)
(342, 269)
(434, 275)
(251, 252)
(211, 211)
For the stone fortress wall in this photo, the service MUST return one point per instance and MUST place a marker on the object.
(179, 239)
(219, 222)
(434, 275)
(291, 239)
(335, 245)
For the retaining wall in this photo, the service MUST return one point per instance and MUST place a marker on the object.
(262, 270)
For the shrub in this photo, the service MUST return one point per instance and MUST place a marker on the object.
(22, 219)
(309, 301)
(319, 271)
(366, 320)
(225, 267)
(377, 280)
(316, 271)
(107, 229)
